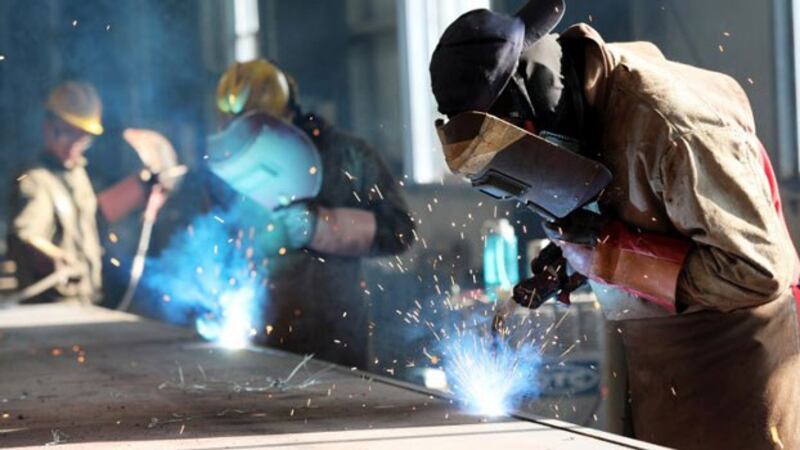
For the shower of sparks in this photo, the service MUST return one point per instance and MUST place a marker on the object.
(212, 281)
(488, 376)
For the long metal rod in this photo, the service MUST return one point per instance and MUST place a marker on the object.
(137, 268)
(36, 288)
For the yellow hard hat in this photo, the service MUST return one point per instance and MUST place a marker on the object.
(78, 105)
(255, 85)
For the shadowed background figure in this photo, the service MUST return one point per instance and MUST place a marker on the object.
(313, 249)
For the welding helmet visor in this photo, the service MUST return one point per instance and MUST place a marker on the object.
(510, 163)
(266, 159)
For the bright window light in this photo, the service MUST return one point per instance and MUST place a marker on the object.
(795, 137)
(422, 23)
(246, 26)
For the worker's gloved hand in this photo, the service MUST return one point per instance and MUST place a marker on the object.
(288, 228)
(550, 279)
(577, 236)
(160, 161)
(581, 227)
(71, 270)
(641, 263)
(300, 222)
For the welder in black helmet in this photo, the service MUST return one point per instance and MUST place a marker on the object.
(655, 188)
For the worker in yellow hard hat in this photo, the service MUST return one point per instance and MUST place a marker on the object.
(78, 105)
(316, 298)
(256, 86)
(52, 222)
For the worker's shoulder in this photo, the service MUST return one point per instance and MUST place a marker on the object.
(332, 139)
(30, 181)
(686, 98)
(346, 140)
(34, 173)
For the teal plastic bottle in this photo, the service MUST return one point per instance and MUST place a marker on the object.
(500, 266)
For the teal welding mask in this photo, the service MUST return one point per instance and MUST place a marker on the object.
(268, 160)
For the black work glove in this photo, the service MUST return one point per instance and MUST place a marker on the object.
(581, 227)
(550, 279)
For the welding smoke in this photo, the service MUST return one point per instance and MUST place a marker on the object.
(208, 278)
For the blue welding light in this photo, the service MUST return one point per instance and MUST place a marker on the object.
(232, 325)
(210, 281)
(487, 375)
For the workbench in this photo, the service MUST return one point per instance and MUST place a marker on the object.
(86, 377)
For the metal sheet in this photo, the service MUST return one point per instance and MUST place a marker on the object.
(93, 378)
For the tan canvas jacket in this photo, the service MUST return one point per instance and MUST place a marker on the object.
(681, 144)
(57, 205)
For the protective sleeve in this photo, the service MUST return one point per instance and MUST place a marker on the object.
(344, 231)
(646, 265)
(122, 198)
(716, 193)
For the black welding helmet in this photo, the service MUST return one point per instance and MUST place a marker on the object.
(476, 79)
(478, 54)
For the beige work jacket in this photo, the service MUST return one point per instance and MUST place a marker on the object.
(682, 146)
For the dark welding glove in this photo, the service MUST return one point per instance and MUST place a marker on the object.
(581, 227)
(550, 279)
(644, 264)
(577, 236)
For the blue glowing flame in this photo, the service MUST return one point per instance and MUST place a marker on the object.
(208, 278)
(232, 326)
(487, 375)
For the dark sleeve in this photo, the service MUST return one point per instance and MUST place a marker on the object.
(394, 228)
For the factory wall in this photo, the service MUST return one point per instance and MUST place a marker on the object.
(344, 56)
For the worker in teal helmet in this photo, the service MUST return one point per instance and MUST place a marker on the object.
(315, 247)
